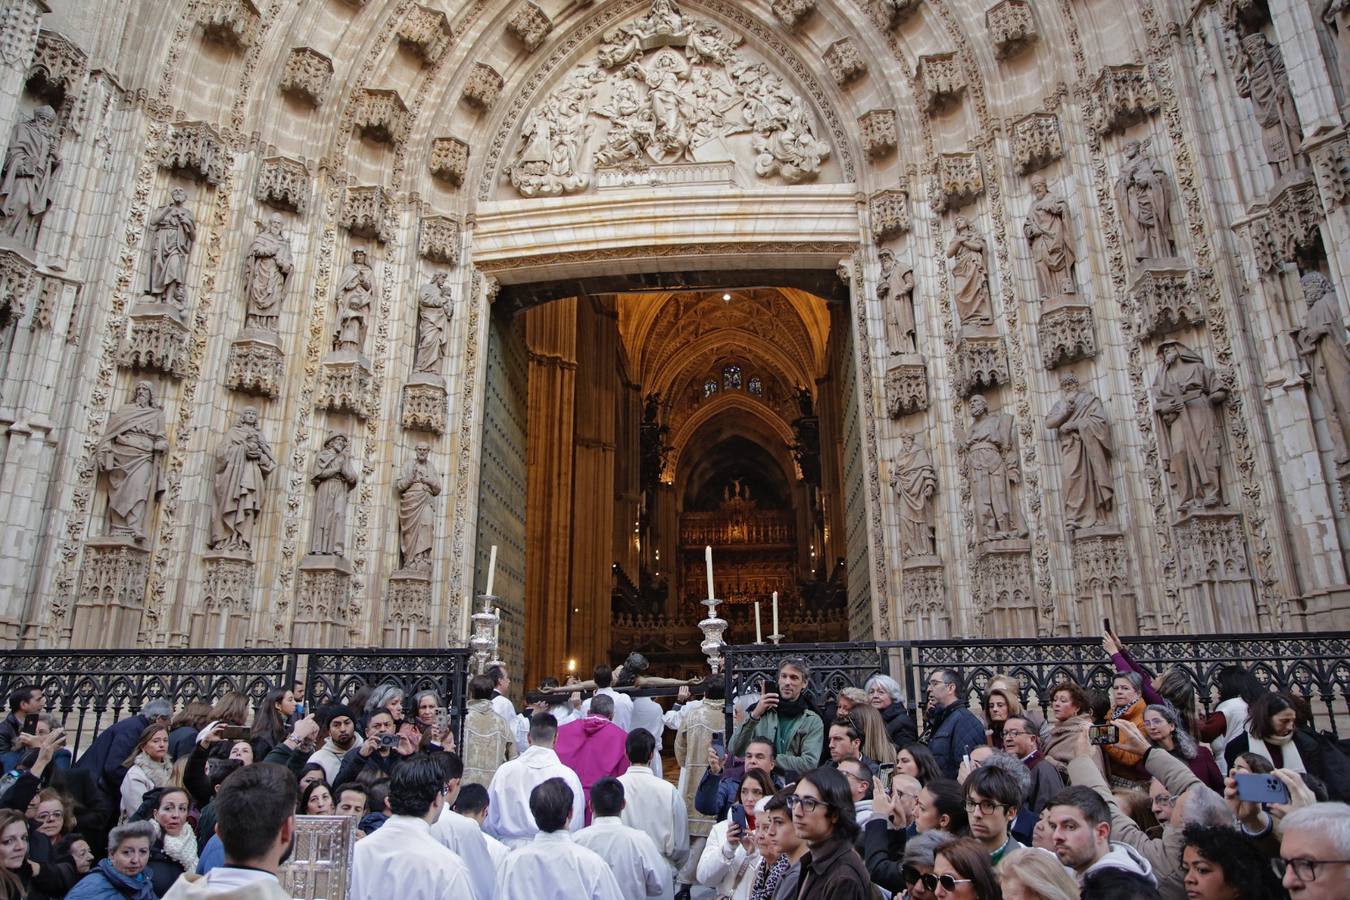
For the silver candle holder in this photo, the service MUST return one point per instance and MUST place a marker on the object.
(713, 627)
(483, 643)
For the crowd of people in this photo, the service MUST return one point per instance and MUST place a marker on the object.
(1132, 793)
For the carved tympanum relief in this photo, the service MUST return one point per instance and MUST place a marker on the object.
(666, 90)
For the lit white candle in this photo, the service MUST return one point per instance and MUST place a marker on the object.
(497, 625)
(707, 559)
(492, 570)
(775, 612)
(759, 636)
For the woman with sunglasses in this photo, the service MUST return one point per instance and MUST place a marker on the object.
(822, 814)
(962, 871)
(917, 862)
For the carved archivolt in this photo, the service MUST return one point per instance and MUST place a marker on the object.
(665, 89)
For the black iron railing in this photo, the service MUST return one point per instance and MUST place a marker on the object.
(1316, 666)
(89, 689)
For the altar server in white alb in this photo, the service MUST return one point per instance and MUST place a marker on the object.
(654, 806)
(553, 866)
(461, 833)
(632, 855)
(402, 859)
(509, 819)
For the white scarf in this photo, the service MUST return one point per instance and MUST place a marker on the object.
(1292, 761)
(181, 849)
(159, 773)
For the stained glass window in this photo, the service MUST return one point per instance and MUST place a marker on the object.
(731, 378)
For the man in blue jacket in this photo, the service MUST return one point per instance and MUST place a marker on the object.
(103, 760)
(953, 730)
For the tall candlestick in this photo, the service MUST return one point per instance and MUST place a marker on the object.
(492, 570)
(775, 612)
(707, 559)
(759, 637)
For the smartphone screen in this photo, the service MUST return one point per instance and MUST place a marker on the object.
(30, 724)
(719, 743)
(887, 775)
(1103, 734)
(738, 816)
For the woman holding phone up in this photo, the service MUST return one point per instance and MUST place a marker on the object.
(731, 859)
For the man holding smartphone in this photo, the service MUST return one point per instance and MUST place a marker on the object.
(797, 733)
(25, 703)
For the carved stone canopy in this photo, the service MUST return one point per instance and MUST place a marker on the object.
(666, 90)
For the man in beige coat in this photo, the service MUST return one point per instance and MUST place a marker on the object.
(1194, 803)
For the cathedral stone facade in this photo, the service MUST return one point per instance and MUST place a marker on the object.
(289, 292)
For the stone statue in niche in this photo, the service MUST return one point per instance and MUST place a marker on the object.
(1337, 16)
(434, 309)
(26, 183)
(991, 454)
(1085, 451)
(914, 481)
(1322, 344)
(131, 456)
(334, 477)
(970, 277)
(1047, 230)
(417, 489)
(1263, 80)
(1186, 394)
(267, 266)
(1144, 197)
(896, 292)
(353, 303)
(243, 461)
(173, 231)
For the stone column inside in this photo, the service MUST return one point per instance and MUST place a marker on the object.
(550, 335)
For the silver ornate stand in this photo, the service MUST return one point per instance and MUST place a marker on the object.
(712, 628)
(484, 639)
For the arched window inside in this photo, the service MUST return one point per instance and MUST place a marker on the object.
(709, 388)
(731, 378)
(756, 386)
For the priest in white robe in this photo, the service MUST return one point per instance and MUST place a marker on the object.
(462, 834)
(654, 806)
(401, 859)
(648, 715)
(508, 817)
(552, 866)
(632, 855)
(472, 804)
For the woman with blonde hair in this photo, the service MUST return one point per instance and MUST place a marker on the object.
(1033, 874)
(876, 742)
(149, 767)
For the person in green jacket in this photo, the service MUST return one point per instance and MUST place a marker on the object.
(786, 719)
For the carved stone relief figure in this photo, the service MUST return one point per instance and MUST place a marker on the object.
(131, 455)
(353, 303)
(1262, 78)
(26, 184)
(173, 231)
(991, 452)
(1337, 15)
(267, 266)
(1144, 197)
(1322, 343)
(1085, 450)
(896, 292)
(417, 488)
(970, 277)
(434, 310)
(243, 461)
(1186, 393)
(334, 476)
(914, 481)
(1047, 230)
